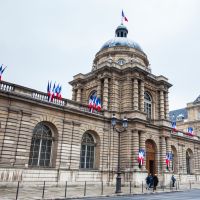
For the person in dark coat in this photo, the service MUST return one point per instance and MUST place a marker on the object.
(173, 180)
(149, 181)
(155, 182)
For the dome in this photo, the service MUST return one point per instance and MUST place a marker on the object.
(121, 41)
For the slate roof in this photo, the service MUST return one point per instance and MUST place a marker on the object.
(197, 100)
(178, 114)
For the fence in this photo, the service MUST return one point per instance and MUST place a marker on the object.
(45, 190)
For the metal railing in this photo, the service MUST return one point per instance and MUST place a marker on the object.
(67, 189)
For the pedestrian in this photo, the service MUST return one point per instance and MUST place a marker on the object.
(148, 181)
(173, 179)
(155, 182)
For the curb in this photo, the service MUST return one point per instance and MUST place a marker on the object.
(114, 195)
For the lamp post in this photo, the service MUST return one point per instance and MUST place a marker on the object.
(119, 131)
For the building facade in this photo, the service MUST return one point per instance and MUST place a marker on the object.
(63, 141)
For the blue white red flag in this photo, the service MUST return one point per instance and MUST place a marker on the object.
(190, 131)
(59, 92)
(53, 92)
(141, 157)
(124, 17)
(90, 104)
(174, 127)
(94, 102)
(1, 71)
(99, 104)
(167, 160)
(49, 89)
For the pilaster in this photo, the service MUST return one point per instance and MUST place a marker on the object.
(142, 96)
(135, 94)
(135, 136)
(105, 94)
(162, 111)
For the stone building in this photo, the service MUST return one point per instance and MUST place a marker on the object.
(62, 141)
(188, 117)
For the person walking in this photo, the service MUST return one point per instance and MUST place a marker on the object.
(149, 180)
(173, 179)
(155, 182)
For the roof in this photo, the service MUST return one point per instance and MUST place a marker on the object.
(197, 100)
(121, 41)
(178, 115)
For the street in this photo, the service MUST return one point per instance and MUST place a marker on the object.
(187, 195)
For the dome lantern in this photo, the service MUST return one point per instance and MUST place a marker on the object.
(121, 31)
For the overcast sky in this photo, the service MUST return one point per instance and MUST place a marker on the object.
(43, 40)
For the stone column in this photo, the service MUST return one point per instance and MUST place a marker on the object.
(184, 160)
(78, 98)
(166, 106)
(99, 88)
(142, 96)
(163, 153)
(126, 94)
(195, 157)
(105, 94)
(142, 146)
(73, 95)
(135, 94)
(162, 111)
(135, 136)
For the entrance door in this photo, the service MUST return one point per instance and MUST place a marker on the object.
(150, 157)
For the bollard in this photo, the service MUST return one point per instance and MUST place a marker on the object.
(163, 187)
(130, 188)
(170, 186)
(176, 185)
(43, 190)
(65, 189)
(142, 187)
(190, 185)
(102, 188)
(17, 192)
(85, 189)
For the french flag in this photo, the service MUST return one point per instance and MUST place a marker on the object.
(167, 160)
(1, 71)
(141, 157)
(174, 127)
(49, 89)
(90, 104)
(99, 104)
(53, 92)
(190, 131)
(59, 93)
(95, 103)
(124, 17)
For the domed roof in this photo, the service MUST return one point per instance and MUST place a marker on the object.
(121, 41)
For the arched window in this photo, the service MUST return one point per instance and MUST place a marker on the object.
(93, 94)
(147, 105)
(189, 161)
(41, 144)
(87, 152)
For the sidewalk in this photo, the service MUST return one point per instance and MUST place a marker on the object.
(52, 192)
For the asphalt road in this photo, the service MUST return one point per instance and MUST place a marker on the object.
(186, 195)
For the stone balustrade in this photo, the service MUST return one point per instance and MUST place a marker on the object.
(18, 90)
(185, 135)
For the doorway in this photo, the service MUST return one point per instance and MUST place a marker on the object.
(151, 157)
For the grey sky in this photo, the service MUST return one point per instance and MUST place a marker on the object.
(43, 40)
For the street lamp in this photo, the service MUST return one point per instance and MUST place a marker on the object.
(119, 131)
